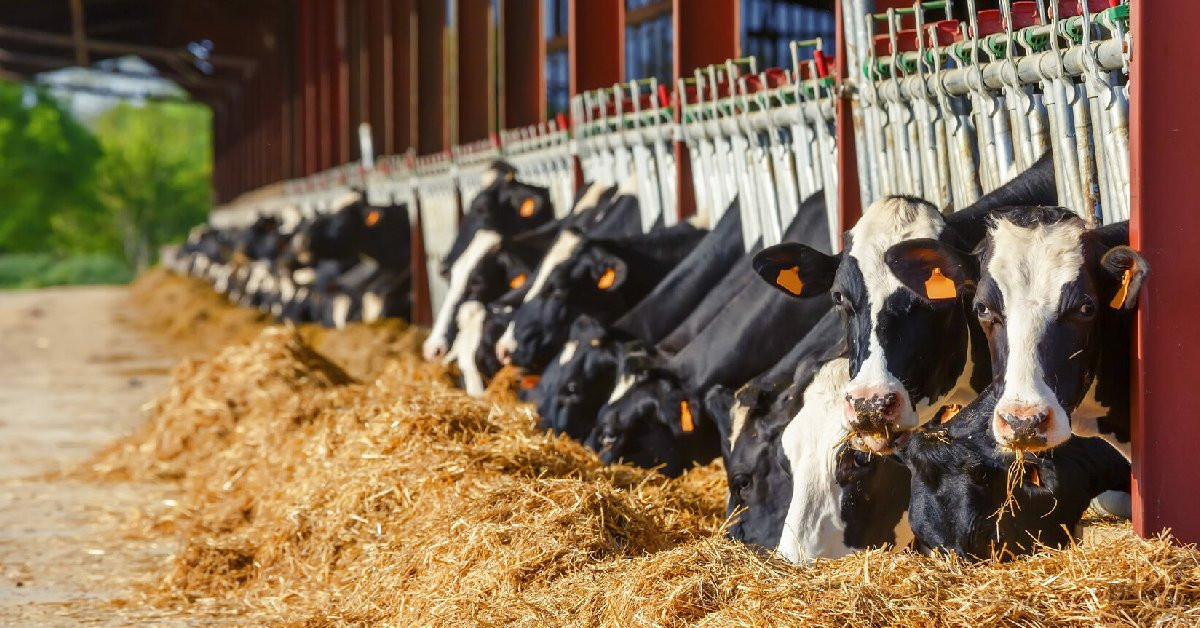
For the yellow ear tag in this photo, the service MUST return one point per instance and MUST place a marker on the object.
(789, 279)
(607, 279)
(685, 417)
(372, 218)
(527, 207)
(939, 286)
(1118, 301)
(517, 282)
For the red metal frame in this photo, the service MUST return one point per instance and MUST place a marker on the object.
(704, 34)
(523, 51)
(432, 132)
(1165, 227)
(475, 82)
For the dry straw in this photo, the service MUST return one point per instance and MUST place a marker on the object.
(390, 497)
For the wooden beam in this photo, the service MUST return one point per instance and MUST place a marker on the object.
(78, 34)
(476, 104)
(432, 129)
(596, 31)
(523, 64)
(1165, 227)
(42, 38)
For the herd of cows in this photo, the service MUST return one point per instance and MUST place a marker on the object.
(955, 380)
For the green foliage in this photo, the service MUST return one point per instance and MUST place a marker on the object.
(37, 270)
(81, 200)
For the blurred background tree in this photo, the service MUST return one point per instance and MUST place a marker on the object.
(91, 201)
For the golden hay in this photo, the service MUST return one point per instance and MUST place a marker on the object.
(397, 499)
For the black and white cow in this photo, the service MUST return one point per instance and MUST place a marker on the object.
(909, 357)
(650, 391)
(502, 209)
(1056, 303)
(961, 485)
(581, 377)
(600, 277)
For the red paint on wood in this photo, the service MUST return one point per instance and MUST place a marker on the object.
(1165, 227)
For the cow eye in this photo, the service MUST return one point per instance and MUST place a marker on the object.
(1087, 309)
(983, 312)
(839, 299)
(741, 482)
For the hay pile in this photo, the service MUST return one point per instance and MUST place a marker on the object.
(325, 498)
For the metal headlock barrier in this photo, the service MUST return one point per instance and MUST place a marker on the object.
(951, 110)
(542, 155)
(629, 131)
(436, 184)
(765, 138)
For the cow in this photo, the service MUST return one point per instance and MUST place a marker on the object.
(1055, 301)
(909, 358)
(503, 208)
(647, 406)
(794, 485)
(973, 497)
(576, 383)
(601, 277)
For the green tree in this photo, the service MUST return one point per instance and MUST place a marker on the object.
(154, 180)
(47, 167)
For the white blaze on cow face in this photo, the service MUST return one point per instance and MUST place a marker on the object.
(341, 310)
(738, 413)
(590, 198)
(813, 527)
(372, 307)
(1030, 266)
(624, 384)
(887, 222)
(563, 248)
(470, 319)
(507, 344)
(484, 242)
(568, 352)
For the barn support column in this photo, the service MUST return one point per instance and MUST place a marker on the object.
(404, 62)
(474, 61)
(522, 83)
(704, 33)
(849, 196)
(592, 59)
(1165, 227)
(432, 131)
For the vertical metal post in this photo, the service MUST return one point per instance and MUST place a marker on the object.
(1165, 227)
(849, 199)
(432, 127)
(522, 65)
(476, 101)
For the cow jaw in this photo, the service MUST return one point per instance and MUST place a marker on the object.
(1031, 266)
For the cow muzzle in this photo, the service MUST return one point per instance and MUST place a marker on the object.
(875, 418)
(433, 349)
(1024, 426)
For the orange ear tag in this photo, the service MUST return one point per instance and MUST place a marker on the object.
(1118, 301)
(948, 412)
(372, 218)
(789, 279)
(529, 381)
(685, 417)
(607, 280)
(939, 286)
(517, 282)
(528, 206)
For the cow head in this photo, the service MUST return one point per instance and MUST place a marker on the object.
(506, 207)
(574, 278)
(1047, 289)
(577, 382)
(905, 352)
(973, 499)
(650, 421)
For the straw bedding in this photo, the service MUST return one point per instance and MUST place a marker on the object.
(382, 494)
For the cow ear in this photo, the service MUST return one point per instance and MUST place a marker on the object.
(1129, 269)
(795, 269)
(609, 273)
(930, 269)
